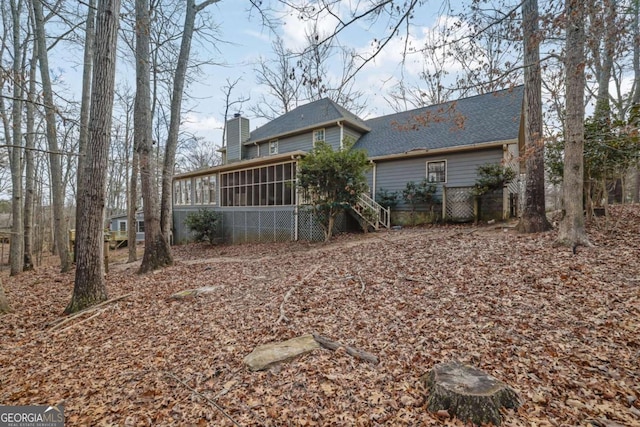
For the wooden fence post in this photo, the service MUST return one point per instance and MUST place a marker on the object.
(444, 203)
(106, 256)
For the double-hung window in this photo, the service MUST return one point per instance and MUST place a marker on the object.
(273, 147)
(437, 171)
(318, 135)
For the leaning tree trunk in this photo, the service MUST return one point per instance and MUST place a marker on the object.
(572, 229)
(55, 164)
(534, 218)
(90, 287)
(157, 252)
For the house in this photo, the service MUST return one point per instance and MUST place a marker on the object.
(118, 228)
(255, 187)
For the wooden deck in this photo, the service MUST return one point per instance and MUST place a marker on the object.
(116, 239)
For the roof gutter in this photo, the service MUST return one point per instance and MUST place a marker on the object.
(421, 152)
(259, 161)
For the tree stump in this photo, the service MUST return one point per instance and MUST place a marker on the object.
(468, 393)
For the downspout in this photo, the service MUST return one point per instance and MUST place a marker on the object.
(374, 172)
(341, 126)
(505, 188)
(295, 206)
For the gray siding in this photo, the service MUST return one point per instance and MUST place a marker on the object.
(369, 176)
(461, 169)
(351, 134)
(285, 145)
(251, 151)
(302, 142)
(114, 225)
(237, 133)
(332, 137)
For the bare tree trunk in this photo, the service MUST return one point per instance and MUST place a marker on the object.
(132, 199)
(131, 207)
(603, 110)
(157, 252)
(174, 124)
(90, 286)
(176, 105)
(534, 217)
(4, 303)
(89, 40)
(60, 227)
(30, 171)
(635, 100)
(572, 230)
(17, 244)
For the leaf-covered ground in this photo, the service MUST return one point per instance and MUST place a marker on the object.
(563, 329)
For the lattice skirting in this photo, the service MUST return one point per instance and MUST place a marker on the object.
(458, 203)
(261, 225)
(241, 226)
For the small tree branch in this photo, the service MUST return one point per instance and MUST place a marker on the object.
(283, 317)
(211, 402)
(351, 351)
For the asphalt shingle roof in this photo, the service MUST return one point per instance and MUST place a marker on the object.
(482, 118)
(305, 117)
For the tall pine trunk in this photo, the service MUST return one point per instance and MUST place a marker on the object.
(55, 164)
(572, 230)
(90, 286)
(157, 252)
(534, 217)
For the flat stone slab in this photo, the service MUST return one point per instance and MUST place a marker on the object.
(192, 293)
(267, 355)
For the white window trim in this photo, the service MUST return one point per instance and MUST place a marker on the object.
(313, 135)
(275, 144)
(446, 170)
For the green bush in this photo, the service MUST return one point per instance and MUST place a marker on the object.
(492, 176)
(204, 224)
(387, 199)
(420, 194)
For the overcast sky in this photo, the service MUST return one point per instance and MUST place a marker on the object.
(246, 39)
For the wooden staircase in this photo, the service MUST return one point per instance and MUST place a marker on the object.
(370, 213)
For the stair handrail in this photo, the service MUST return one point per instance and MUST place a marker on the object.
(382, 214)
